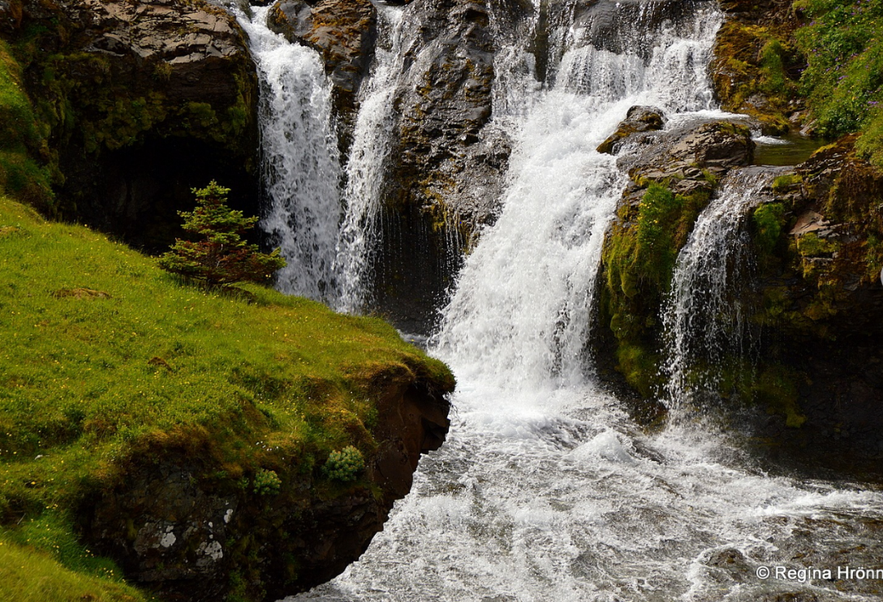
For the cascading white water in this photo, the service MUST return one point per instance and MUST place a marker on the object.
(367, 163)
(521, 309)
(299, 158)
(544, 490)
(704, 319)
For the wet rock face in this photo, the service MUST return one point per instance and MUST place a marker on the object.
(822, 298)
(446, 165)
(682, 158)
(183, 527)
(145, 101)
(608, 23)
(638, 119)
(343, 32)
(446, 159)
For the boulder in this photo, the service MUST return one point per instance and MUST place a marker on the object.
(638, 119)
(687, 155)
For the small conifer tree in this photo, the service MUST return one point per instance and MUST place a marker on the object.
(218, 256)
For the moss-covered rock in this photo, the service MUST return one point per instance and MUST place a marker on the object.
(756, 63)
(674, 174)
(138, 102)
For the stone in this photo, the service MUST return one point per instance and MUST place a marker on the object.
(638, 119)
(164, 97)
(716, 146)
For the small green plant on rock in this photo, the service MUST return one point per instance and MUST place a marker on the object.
(219, 257)
(267, 482)
(344, 465)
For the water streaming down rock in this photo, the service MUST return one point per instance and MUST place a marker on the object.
(367, 163)
(300, 160)
(705, 321)
(545, 490)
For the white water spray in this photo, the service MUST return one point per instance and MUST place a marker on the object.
(299, 158)
(704, 318)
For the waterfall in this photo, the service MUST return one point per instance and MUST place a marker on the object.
(367, 163)
(521, 310)
(704, 319)
(545, 490)
(299, 158)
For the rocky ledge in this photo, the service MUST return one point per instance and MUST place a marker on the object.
(185, 523)
(814, 380)
(673, 173)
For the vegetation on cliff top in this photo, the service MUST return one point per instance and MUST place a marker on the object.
(106, 357)
(842, 81)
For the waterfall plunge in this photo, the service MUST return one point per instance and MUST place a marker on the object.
(521, 311)
(300, 160)
(544, 490)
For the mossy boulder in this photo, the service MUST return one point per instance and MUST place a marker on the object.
(673, 175)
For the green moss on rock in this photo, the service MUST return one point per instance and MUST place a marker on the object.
(23, 148)
(753, 70)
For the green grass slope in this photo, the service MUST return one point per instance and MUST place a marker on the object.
(105, 357)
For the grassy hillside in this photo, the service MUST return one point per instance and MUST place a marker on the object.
(105, 357)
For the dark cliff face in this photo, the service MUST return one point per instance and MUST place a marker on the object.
(142, 103)
(821, 299)
(182, 525)
(813, 385)
(446, 173)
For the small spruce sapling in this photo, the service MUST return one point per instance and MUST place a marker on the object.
(219, 256)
